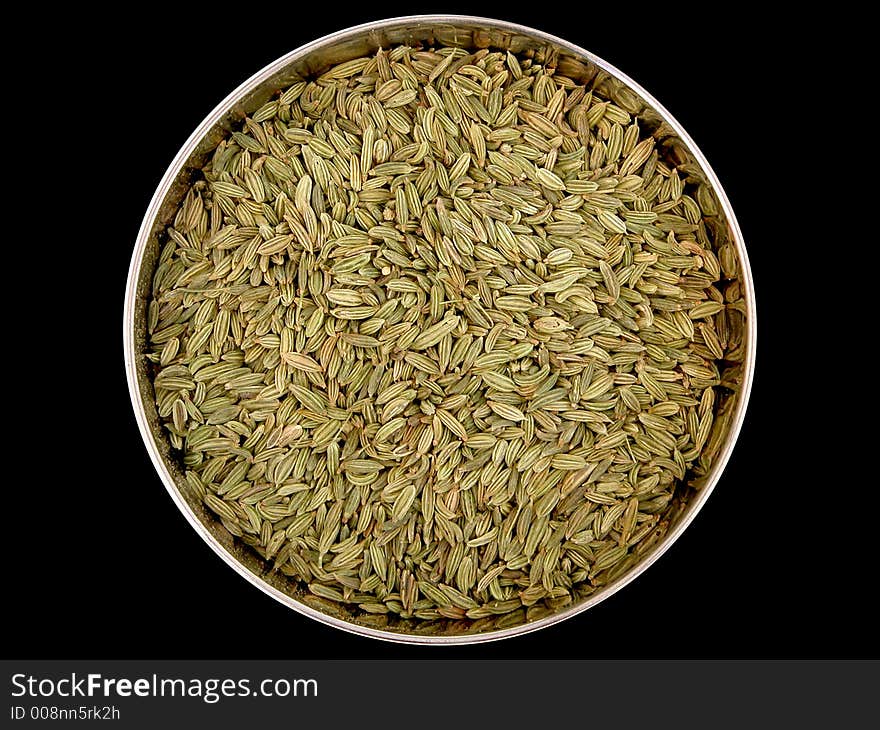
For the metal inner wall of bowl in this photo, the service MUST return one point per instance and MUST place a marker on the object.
(471, 34)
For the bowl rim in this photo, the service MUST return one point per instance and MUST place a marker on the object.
(134, 273)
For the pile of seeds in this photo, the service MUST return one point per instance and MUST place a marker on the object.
(437, 334)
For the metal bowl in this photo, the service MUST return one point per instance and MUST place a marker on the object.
(313, 58)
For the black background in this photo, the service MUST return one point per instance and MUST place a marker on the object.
(100, 563)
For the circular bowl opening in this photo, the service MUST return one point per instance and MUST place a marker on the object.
(584, 69)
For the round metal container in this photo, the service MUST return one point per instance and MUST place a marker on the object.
(469, 33)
